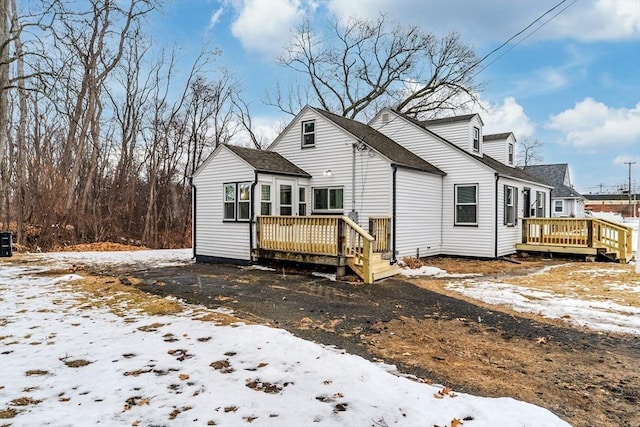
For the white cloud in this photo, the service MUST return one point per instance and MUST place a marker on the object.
(507, 117)
(265, 26)
(215, 18)
(591, 123)
(599, 20)
(621, 159)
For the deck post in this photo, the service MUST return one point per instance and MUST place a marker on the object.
(590, 225)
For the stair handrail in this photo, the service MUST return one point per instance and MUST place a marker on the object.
(353, 236)
(622, 245)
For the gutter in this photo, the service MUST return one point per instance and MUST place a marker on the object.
(193, 215)
(393, 213)
(495, 238)
(252, 212)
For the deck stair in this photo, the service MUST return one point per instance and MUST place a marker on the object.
(380, 268)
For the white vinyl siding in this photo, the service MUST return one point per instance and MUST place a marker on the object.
(418, 210)
(333, 152)
(460, 169)
(460, 133)
(215, 237)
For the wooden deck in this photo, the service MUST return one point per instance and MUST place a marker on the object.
(328, 240)
(580, 236)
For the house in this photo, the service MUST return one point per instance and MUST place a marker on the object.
(482, 198)
(408, 188)
(565, 201)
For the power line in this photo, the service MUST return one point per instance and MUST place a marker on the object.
(539, 18)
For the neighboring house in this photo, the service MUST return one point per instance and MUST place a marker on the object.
(565, 201)
(618, 203)
(434, 180)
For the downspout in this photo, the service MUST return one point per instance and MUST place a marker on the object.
(393, 213)
(353, 215)
(497, 223)
(549, 215)
(193, 215)
(252, 212)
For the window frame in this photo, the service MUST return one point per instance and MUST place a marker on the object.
(555, 206)
(456, 204)
(305, 134)
(289, 205)
(328, 209)
(510, 211)
(476, 139)
(236, 202)
(541, 199)
(510, 153)
(302, 201)
(268, 202)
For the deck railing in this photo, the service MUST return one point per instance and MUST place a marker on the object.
(318, 235)
(579, 232)
(380, 230)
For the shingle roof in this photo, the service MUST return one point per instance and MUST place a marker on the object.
(496, 136)
(382, 144)
(267, 161)
(553, 175)
(445, 120)
(611, 197)
(492, 163)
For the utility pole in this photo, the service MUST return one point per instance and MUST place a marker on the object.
(631, 209)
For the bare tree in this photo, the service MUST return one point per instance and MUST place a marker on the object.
(529, 151)
(363, 65)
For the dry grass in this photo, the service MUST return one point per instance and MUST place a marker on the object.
(615, 282)
(109, 292)
(98, 247)
(519, 264)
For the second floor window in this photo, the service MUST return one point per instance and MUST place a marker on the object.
(510, 154)
(476, 139)
(308, 134)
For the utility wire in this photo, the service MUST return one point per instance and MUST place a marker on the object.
(539, 18)
(525, 37)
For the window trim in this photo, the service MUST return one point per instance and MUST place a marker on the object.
(290, 204)
(476, 139)
(510, 153)
(456, 204)
(541, 199)
(510, 206)
(268, 201)
(555, 206)
(305, 134)
(328, 209)
(302, 190)
(236, 201)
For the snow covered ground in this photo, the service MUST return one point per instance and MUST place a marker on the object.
(65, 363)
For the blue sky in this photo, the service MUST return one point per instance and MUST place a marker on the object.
(574, 84)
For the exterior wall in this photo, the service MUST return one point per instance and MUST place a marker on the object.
(499, 149)
(572, 207)
(418, 210)
(460, 169)
(460, 133)
(333, 152)
(215, 238)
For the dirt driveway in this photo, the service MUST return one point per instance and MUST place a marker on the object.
(587, 378)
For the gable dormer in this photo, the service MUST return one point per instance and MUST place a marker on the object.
(463, 131)
(501, 146)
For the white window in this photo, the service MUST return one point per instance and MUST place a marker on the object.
(308, 134)
(558, 206)
(510, 154)
(302, 201)
(286, 205)
(229, 202)
(466, 201)
(476, 139)
(327, 199)
(510, 205)
(237, 201)
(540, 204)
(265, 199)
